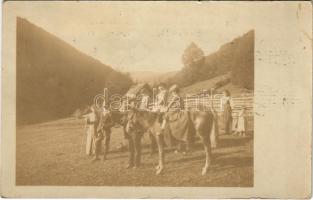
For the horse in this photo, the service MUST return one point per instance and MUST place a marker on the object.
(203, 123)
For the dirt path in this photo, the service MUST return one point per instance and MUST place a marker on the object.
(49, 154)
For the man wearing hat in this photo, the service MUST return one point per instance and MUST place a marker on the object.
(104, 132)
(134, 133)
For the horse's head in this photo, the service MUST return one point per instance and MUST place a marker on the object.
(140, 120)
(118, 117)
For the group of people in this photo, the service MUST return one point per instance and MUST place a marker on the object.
(233, 126)
(99, 124)
(98, 128)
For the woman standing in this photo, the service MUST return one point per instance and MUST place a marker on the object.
(91, 121)
(227, 112)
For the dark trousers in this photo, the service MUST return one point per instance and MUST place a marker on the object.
(153, 144)
(97, 141)
(228, 125)
(134, 142)
(107, 140)
(106, 135)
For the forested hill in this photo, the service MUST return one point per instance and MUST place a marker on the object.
(53, 78)
(235, 58)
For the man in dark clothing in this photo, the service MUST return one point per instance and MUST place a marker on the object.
(104, 132)
(227, 112)
(134, 133)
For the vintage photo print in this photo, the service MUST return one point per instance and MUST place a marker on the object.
(125, 99)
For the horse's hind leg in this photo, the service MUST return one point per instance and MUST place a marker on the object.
(207, 148)
(160, 167)
(137, 144)
(153, 144)
(131, 149)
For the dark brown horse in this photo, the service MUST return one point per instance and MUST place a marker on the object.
(203, 123)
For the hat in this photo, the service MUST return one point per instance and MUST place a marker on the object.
(162, 85)
(227, 93)
(174, 88)
(131, 100)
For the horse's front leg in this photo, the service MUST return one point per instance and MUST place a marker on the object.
(207, 148)
(160, 167)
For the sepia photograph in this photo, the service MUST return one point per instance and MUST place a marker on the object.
(137, 103)
(157, 95)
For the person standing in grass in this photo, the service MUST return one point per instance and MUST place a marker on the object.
(91, 122)
(103, 132)
(241, 123)
(134, 131)
(227, 112)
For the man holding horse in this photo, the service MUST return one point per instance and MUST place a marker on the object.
(103, 132)
(134, 133)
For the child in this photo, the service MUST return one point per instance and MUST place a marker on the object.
(241, 129)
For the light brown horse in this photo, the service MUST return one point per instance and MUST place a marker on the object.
(203, 122)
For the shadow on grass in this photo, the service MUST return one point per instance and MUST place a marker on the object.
(233, 141)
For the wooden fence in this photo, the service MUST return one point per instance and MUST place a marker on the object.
(237, 102)
(245, 100)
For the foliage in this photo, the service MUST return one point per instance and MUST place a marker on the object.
(236, 57)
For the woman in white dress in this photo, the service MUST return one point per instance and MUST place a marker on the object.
(241, 128)
(91, 121)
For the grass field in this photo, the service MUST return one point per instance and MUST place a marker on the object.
(49, 154)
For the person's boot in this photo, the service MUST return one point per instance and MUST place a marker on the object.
(95, 158)
(137, 159)
(136, 166)
(106, 150)
(104, 158)
(130, 162)
(129, 166)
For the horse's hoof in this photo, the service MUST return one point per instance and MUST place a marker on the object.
(129, 166)
(159, 170)
(95, 159)
(205, 170)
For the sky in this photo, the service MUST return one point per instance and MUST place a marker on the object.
(132, 36)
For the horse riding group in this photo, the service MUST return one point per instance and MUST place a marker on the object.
(167, 118)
